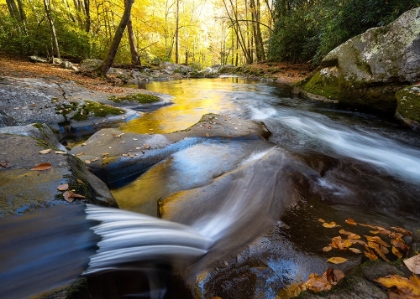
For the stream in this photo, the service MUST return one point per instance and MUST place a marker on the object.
(321, 161)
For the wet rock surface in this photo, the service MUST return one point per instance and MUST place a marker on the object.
(113, 155)
(25, 190)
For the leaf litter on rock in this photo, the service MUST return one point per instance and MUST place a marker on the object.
(42, 166)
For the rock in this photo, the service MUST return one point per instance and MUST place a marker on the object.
(128, 154)
(6, 120)
(41, 186)
(408, 106)
(88, 65)
(57, 61)
(34, 58)
(368, 69)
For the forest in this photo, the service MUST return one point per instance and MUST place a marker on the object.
(192, 32)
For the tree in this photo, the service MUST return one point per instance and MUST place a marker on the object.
(135, 57)
(109, 59)
(52, 26)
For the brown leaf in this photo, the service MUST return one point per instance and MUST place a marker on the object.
(63, 187)
(42, 166)
(402, 230)
(80, 181)
(45, 151)
(327, 248)
(4, 165)
(396, 252)
(400, 245)
(321, 220)
(413, 264)
(337, 260)
(377, 240)
(330, 225)
(146, 146)
(350, 221)
(377, 249)
(334, 275)
(67, 197)
(339, 243)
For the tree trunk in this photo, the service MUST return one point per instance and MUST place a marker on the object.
(87, 14)
(103, 69)
(53, 32)
(177, 32)
(135, 57)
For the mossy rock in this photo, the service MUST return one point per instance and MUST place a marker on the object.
(82, 111)
(140, 98)
(408, 106)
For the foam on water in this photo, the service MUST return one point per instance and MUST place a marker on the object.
(362, 145)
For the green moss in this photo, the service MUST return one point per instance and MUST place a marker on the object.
(138, 97)
(38, 126)
(328, 88)
(408, 103)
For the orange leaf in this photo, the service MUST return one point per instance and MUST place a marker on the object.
(330, 225)
(42, 166)
(370, 254)
(316, 283)
(377, 240)
(67, 196)
(63, 187)
(337, 260)
(351, 221)
(326, 249)
(400, 245)
(321, 220)
(334, 275)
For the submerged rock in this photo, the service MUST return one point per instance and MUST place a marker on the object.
(368, 69)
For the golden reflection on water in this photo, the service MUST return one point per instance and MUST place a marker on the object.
(192, 98)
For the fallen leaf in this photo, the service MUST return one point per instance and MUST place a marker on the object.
(327, 248)
(377, 240)
(396, 252)
(413, 264)
(400, 245)
(88, 161)
(334, 275)
(4, 165)
(146, 146)
(370, 254)
(321, 220)
(350, 221)
(70, 196)
(79, 154)
(105, 154)
(63, 187)
(355, 250)
(330, 225)
(80, 181)
(375, 246)
(94, 159)
(337, 260)
(317, 283)
(46, 151)
(60, 152)
(408, 288)
(207, 135)
(67, 197)
(402, 230)
(42, 166)
(339, 243)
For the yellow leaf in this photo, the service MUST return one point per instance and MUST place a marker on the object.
(408, 287)
(337, 260)
(396, 252)
(401, 230)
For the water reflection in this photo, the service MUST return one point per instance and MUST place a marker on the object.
(192, 99)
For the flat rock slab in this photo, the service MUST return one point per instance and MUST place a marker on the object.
(114, 155)
(30, 100)
(23, 189)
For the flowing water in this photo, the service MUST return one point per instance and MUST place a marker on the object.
(224, 193)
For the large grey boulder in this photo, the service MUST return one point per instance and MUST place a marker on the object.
(368, 69)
